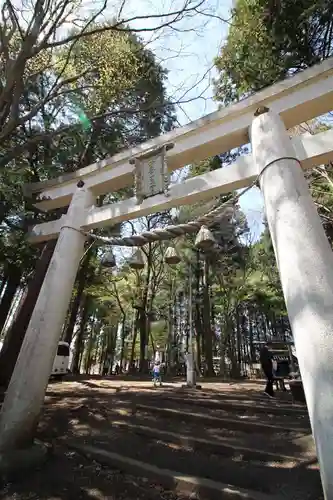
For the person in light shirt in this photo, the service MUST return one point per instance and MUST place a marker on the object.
(157, 373)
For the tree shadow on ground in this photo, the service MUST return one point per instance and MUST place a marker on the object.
(71, 476)
(88, 416)
(189, 409)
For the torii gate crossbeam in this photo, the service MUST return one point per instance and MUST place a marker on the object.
(310, 150)
(303, 253)
(305, 96)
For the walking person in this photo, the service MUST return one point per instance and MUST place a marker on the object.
(157, 374)
(266, 362)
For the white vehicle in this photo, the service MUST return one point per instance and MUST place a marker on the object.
(61, 361)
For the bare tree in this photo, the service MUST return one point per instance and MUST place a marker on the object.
(41, 40)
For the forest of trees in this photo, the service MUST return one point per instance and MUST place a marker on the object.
(64, 105)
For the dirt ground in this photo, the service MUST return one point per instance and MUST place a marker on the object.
(88, 409)
(70, 476)
(67, 475)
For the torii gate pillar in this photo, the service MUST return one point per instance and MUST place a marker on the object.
(305, 262)
(26, 391)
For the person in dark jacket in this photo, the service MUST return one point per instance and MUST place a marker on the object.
(266, 362)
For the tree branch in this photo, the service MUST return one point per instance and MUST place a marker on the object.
(123, 25)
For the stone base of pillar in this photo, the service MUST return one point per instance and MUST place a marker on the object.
(15, 462)
(191, 386)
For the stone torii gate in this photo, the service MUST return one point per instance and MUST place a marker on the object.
(304, 256)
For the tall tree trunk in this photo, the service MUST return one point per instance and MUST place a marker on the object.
(123, 327)
(234, 343)
(122, 348)
(264, 324)
(134, 336)
(169, 349)
(96, 344)
(90, 344)
(206, 320)
(15, 335)
(176, 330)
(112, 342)
(187, 325)
(203, 344)
(197, 316)
(143, 340)
(258, 325)
(198, 337)
(171, 330)
(18, 310)
(87, 353)
(274, 324)
(144, 309)
(223, 342)
(78, 349)
(239, 338)
(3, 282)
(102, 354)
(74, 308)
(252, 351)
(12, 313)
(13, 282)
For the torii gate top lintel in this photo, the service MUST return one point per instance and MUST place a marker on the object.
(304, 96)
